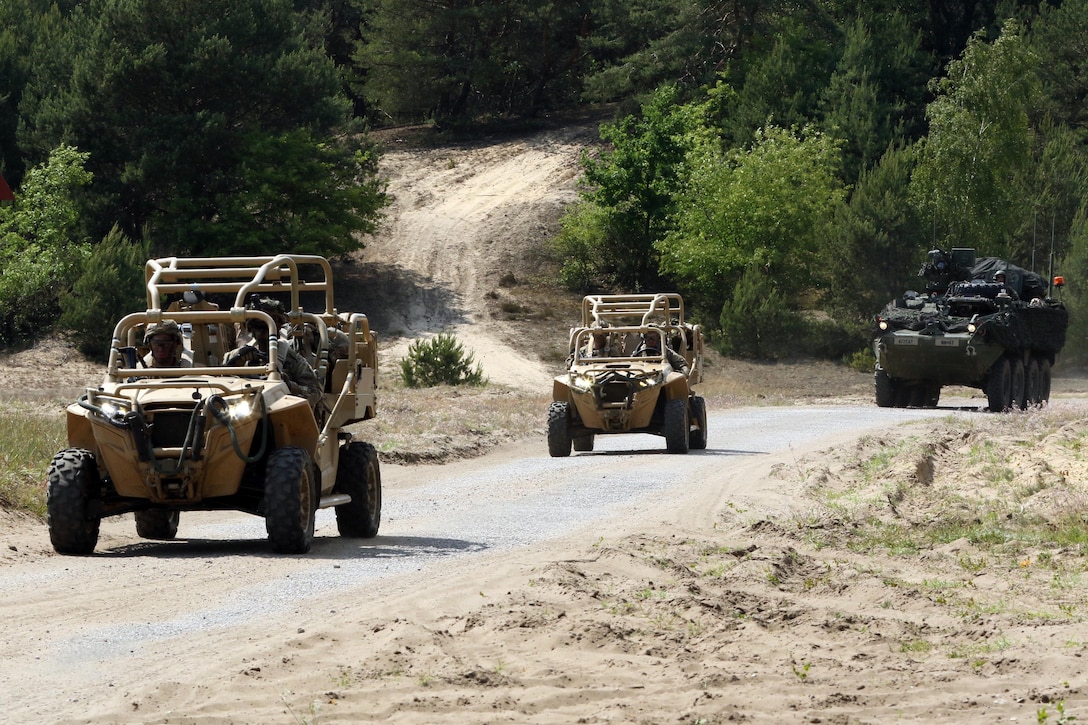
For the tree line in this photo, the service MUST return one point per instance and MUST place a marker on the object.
(783, 163)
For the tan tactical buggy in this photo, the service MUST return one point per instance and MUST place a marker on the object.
(615, 383)
(158, 441)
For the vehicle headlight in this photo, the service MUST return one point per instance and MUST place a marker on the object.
(883, 324)
(114, 408)
(240, 408)
(581, 381)
(971, 327)
(231, 409)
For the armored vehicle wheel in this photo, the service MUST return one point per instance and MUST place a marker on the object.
(886, 389)
(999, 386)
(697, 438)
(933, 395)
(290, 501)
(1018, 399)
(583, 443)
(677, 426)
(1031, 383)
(559, 440)
(1044, 381)
(358, 476)
(157, 524)
(72, 489)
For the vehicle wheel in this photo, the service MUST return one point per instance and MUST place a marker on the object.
(887, 390)
(358, 475)
(677, 426)
(290, 501)
(697, 437)
(1031, 384)
(1044, 381)
(917, 395)
(583, 443)
(999, 386)
(72, 492)
(933, 395)
(1018, 398)
(157, 524)
(559, 441)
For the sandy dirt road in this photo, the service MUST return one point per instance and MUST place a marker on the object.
(213, 627)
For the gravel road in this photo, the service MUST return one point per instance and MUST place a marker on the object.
(155, 612)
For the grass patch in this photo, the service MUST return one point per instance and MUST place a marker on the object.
(29, 437)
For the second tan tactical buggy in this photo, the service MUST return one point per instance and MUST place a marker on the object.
(621, 379)
(159, 441)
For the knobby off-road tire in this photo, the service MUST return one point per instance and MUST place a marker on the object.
(999, 386)
(677, 426)
(358, 476)
(697, 438)
(559, 440)
(290, 501)
(887, 391)
(158, 525)
(583, 443)
(72, 491)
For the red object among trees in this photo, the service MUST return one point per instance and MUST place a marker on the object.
(6, 197)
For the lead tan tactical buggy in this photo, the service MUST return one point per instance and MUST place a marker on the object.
(617, 384)
(159, 441)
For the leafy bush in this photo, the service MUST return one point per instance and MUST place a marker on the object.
(109, 286)
(442, 360)
(757, 323)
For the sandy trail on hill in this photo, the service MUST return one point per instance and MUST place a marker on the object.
(462, 220)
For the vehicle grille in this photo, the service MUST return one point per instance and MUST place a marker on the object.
(168, 427)
(614, 393)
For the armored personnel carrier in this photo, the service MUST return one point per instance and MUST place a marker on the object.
(621, 378)
(979, 322)
(211, 432)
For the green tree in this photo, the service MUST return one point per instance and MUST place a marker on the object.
(39, 244)
(454, 61)
(442, 360)
(110, 285)
(761, 208)
(1060, 38)
(185, 110)
(875, 94)
(756, 320)
(972, 174)
(876, 242)
(631, 188)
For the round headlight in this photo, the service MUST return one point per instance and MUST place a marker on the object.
(883, 324)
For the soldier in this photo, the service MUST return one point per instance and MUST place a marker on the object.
(999, 278)
(297, 373)
(651, 345)
(167, 346)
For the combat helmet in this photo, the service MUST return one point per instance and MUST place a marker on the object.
(163, 327)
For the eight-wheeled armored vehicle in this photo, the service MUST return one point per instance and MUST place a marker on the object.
(157, 441)
(622, 379)
(981, 323)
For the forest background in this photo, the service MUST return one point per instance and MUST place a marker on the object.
(783, 164)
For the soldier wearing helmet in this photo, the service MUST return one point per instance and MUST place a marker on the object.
(296, 372)
(167, 346)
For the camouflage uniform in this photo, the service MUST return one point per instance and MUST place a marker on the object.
(676, 360)
(298, 374)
